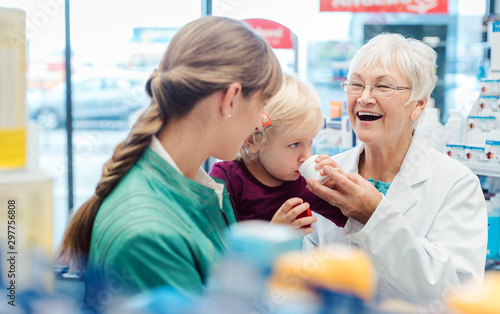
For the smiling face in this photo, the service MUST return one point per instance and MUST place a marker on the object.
(282, 156)
(382, 120)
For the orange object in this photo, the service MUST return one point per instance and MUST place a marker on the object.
(334, 268)
(335, 109)
(265, 119)
(474, 298)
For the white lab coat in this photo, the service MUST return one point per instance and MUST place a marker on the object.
(427, 235)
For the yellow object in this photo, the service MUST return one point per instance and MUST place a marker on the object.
(13, 148)
(12, 88)
(335, 268)
(484, 299)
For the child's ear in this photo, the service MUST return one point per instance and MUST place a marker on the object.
(250, 145)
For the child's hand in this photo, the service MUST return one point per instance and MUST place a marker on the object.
(288, 212)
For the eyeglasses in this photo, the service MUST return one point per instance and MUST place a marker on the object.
(265, 119)
(377, 88)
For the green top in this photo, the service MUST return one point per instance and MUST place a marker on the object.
(381, 186)
(157, 227)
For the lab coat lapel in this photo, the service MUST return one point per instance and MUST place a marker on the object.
(413, 171)
(400, 192)
(351, 165)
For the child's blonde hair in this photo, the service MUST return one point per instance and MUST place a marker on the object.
(296, 107)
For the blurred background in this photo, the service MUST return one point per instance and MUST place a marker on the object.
(114, 46)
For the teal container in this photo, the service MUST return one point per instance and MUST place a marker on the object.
(493, 234)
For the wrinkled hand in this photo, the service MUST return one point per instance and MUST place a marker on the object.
(288, 213)
(356, 197)
(325, 160)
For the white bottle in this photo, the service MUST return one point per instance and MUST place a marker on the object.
(347, 133)
(430, 129)
(454, 128)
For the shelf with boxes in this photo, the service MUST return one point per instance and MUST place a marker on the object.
(482, 168)
(481, 153)
(480, 148)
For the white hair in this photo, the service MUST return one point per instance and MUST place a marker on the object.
(413, 58)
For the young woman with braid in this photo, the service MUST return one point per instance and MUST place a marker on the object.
(156, 217)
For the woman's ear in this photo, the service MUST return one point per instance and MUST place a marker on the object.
(229, 98)
(418, 109)
(250, 145)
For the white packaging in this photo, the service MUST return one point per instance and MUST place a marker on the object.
(454, 129)
(430, 129)
(456, 151)
(492, 151)
(308, 170)
(489, 87)
(328, 139)
(488, 103)
(483, 123)
(474, 152)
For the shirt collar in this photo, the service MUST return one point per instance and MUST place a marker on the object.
(156, 147)
(201, 176)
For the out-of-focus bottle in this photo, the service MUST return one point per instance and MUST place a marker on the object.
(240, 281)
(329, 139)
(454, 129)
(12, 88)
(474, 298)
(334, 279)
(430, 129)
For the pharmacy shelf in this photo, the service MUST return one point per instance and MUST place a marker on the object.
(483, 168)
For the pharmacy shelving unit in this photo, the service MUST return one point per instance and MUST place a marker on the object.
(483, 168)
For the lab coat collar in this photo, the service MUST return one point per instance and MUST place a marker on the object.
(417, 155)
(410, 174)
(352, 164)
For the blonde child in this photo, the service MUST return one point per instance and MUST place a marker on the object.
(264, 182)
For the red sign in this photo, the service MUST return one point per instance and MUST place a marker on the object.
(393, 6)
(277, 35)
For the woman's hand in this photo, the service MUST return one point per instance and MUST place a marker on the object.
(356, 197)
(325, 160)
(288, 212)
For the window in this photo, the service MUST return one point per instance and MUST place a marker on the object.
(116, 45)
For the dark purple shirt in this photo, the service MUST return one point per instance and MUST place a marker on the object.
(254, 200)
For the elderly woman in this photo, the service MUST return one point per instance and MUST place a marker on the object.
(419, 214)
